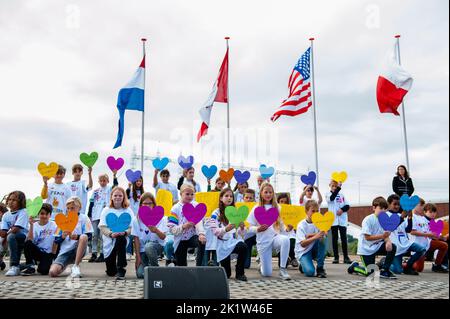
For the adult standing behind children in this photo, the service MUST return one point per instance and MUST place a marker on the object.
(402, 183)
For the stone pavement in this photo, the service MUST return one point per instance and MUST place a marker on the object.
(338, 285)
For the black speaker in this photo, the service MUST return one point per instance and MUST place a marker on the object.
(185, 283)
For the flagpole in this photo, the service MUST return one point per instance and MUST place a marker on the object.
(403, 109)
(228, 105)
(314, 111)
(143, 113)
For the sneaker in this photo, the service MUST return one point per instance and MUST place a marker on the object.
(76, 272)
(100, 259)
(284, 274)
(241, 278)
(347, 261)
(28, 271)
(336, 261)
(120, 274)
(128, 257)
(294, 263)
(258, 260)
(13, 271)
(380, 263)
(351, 268)
(211, 263)
(410, 271)
(171, 264)
(387, 274)
(439, 269)
(321, 273)
(2, 265)
(93, 258)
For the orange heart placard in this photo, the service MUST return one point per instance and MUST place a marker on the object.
(227, 176)
(48, 170)
(445, 229)
(67, 223)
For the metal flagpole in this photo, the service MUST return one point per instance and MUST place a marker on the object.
(314, 110)
(403, 109)
(228, 105)
(143, 113)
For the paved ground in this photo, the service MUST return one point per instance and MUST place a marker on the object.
(339, 284)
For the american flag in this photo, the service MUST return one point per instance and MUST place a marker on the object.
(299, 99)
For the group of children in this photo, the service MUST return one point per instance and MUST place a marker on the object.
(214, 239)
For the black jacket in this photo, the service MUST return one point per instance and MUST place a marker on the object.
(401, 186)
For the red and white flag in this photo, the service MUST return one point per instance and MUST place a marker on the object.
(219, 93)
(393, 84)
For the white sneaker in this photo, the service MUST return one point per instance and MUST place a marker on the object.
(171, 265)
(258, 260)
(76, 272)
(13, 271)
(128, 257)
(284, 274)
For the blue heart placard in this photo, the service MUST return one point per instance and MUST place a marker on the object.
(186, 162)
(309, 179)
(118, 224)
(133, 176)
(209, 172)
(409, 203)
(266, 172)
(241, 177)
(160, 163)
(389, 223)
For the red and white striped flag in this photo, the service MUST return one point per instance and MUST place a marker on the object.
(299, 99)
(219, 93)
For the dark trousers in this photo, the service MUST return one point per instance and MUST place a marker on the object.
(117, 260)
(184, 245)
(334, 234)
(250, 242)
(370, 259)
(241, 250)
(33, 255)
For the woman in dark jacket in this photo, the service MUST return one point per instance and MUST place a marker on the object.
(402, 183)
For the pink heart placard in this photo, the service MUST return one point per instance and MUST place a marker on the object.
(194, 214)
(266, 217)
(151, 216)
(436, 227)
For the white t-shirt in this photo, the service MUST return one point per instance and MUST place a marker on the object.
(134, 204)
(421, 224)
(80, 190)
(211, 239)
(108, 243)
(18, 218)
(169, 187)
(238, 197)
(226, 243)
(303, 229)
(370, 226)
(44, 236)
(334, 206)
(138, 229)
(84, 226)
(101, 197)
(399, 237)
(58, 194)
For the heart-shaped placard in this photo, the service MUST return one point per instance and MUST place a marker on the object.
(339, 177)
(194, 214)
(133, 176)
(266, 172)
(266, 217)
(186, 162)
(409, 203)
(164, 198)
(115, 164)
(48, 170)
(160, 163)
(89, 159)
(235, 215)
(241, 177)
(292, 214)
(151, 216)
(309, 179)
(34, 206)
(67, 223)
(436, 227)
(323, 222)
(227, 176)
(389, 223)
(209, 172)
(118, 224)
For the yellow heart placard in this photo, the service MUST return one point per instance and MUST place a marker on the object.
(164, 198)
(292, 214)
(210, 199)
(67, 223)
(323, 222)
(48, 170)
(339, 177)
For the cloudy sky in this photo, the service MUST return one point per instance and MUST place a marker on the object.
(62, 64)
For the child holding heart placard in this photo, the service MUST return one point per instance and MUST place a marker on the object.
(14, 229)
(187, 234)
(308, 194)
(149, 233)
(249, 237)
(188, 178)
(79, 187)
(228, 243)
(264, 219)
(114, 224)
(134, 192)
(218, 185)
(164, 184)
(3, 210)
(310, 243)
(57, 193)
(338, 205)
(73, 243)
(284, 198)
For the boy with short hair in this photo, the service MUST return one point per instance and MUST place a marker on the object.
(79, 187)
(3, 210)
(164, 184)
(57, 193)
(249, 237)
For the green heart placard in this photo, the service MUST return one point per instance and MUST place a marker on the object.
(236, 216)
(34, 206)
(89, 159)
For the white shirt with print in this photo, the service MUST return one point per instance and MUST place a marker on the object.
(140, 230)
(44, 236)
(18, 218)
(80, 190)
(84, 226)
(370, 226)
(58, 194)
(108, 242)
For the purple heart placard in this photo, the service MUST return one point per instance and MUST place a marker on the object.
(132, 176)
(436, 227)
(194, 214)
(115, 164)
(241, 177)
(186, 162)
(309, 179)
(389, 223)
(266, 217)
(151, 216)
